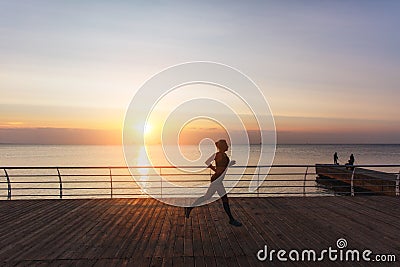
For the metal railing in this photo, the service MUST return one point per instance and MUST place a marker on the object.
(117, 181)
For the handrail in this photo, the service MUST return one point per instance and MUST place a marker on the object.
(192, 166)
(30, 181)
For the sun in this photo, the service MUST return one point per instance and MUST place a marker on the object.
(144, 129)
(148, 128)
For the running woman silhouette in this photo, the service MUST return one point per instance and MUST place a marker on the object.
(222, 163)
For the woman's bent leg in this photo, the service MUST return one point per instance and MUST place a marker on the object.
(210, 192)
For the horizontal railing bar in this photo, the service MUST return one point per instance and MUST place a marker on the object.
(187, 174)
(178, 174)
(104, 188)
(170, 187)
(364, 192)
(147, 175)
(56, 188)
(101, 195)
(231, 193)
(344, 186)
(144, 195)
(362, 179)
(15, 195)
(164, 174)
(58, 196)
(139, 188)
(183, 175)
(152, 188)
(248, 193)
(192, 181)
(155, 182)
(190, 174)
(350, 173)
(195, 167)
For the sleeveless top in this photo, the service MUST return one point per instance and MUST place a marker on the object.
(221, 163)
(221, 160)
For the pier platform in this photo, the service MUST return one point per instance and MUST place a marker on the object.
(374, 181)
(145, 232)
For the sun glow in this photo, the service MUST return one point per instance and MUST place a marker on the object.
(148, 128)
(145, 129)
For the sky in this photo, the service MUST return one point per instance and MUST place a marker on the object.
(329, 69)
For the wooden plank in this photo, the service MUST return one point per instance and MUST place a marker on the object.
(188, 239)
(154, 238)
(179, 243)
(171, 228)
(147, 210)
(147, 244)
(137, 216)
(212, 223)
(163, 234)
(208, 251)
(198, 249)
(122, 232)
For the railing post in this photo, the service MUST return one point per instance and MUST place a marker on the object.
(8, 185)
(352, 182)
(161, 188)
(111, 183)
(258, 182)
(304, 182)
(60, 181)
(398, 185)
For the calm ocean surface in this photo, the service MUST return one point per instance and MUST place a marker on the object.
(79, 155)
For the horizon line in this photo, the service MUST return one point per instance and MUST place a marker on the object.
(58, 144)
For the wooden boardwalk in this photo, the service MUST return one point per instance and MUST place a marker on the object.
(145, 232)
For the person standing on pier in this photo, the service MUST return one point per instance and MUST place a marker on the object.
(335, 159)
(222, 163)
(351, 160)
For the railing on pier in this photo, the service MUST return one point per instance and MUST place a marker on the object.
(382, 179)
(117, 181)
